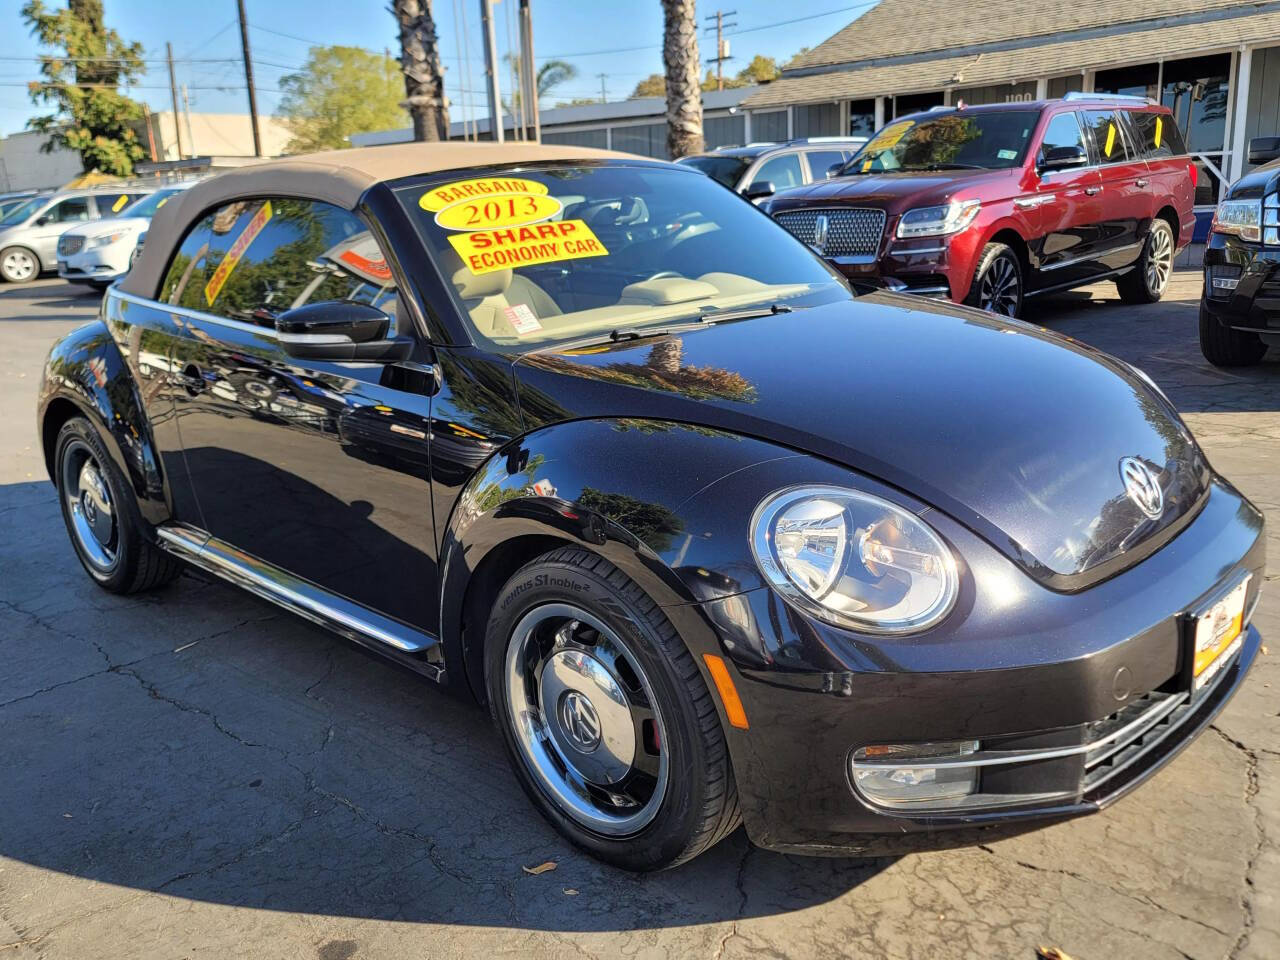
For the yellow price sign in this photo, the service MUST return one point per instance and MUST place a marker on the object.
(889, 136)
(251, 230)
(120, 202)
(1111, 139)
(1159, 129)
(486, 251)
(437, 198)
(499, 210)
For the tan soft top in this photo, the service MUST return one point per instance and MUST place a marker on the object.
(339, 177)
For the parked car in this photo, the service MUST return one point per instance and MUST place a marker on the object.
(101, 251)
(29, 234)
(759, 169)
(990, 205)
(601, 446)
(11, 201)
(1240, 304)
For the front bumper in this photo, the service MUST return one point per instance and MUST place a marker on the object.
(1242, 284)
(1091, 686)
(100, 265)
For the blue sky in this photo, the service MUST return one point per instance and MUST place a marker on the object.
(620, 38)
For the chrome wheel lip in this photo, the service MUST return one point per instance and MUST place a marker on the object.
(19, 265)
(560, 769)
(1159, 266)
(89, 507)
(999, 288)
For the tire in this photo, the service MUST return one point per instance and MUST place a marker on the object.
(1224, 347)
(562, 619)
(101, 517)
(19, 264)
(1149, 278)
(997, 285)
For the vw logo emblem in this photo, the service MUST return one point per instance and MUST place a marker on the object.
(1142, 486)
(580, 721)
(820, 227)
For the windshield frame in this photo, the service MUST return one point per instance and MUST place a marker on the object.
(32, 206)
(919, 120)
(455, 318)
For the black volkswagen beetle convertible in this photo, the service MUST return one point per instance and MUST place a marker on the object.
(593, 441)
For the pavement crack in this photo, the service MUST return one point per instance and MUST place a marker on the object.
(1251, 801)
(155, 693)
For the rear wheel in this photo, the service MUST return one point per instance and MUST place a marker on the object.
(997, 282)
(1224, 347)
(102, 520)
(607, 721)
(18, 264)
(1149, 279)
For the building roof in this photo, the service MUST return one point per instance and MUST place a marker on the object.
(339, 177)
(1024, 62)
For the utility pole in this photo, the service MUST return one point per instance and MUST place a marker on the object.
(604, 94)
(530, 71)
(173, 90)
(491, 70)
(186, 114)
(248, 78)
(722, 45)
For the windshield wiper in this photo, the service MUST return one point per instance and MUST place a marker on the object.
(703, 318)
(948, 166)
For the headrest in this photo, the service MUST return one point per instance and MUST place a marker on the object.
(472, 286)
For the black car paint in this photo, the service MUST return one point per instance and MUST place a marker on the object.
(660, 478)
(1254, 304)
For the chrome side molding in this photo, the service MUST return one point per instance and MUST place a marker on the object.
(304, 598)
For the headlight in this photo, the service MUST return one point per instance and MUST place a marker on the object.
(853, 560)
(938, 221)
(1241, 218)
(104, 241)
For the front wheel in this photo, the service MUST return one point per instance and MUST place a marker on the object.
(18, 264)
(997, 282)
(1224, 347)
(1149, 278)
(606, 719)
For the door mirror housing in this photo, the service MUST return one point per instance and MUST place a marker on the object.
(1062, 158)
(1264, 149)
(340, 330)
(759, 190)
(834, 169)
(42, 220)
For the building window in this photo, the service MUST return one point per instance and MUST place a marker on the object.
(770, 127)
(862, 118)
(818, 120)
(1195, 90)
(1140, 81)
(578, 138)
(723, 131)
(996, 93)
(1059, 87)
(916, 102)
(647, 140)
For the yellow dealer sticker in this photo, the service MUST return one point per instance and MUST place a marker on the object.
(485, 251)
(1159, 129)
(499, 210)
(437, 198)
(219, 278)
(120, 202)
(1111, 139)
(890, 135)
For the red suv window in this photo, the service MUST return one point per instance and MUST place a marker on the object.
(1158, 135)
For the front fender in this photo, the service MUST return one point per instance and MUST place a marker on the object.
(86, 371)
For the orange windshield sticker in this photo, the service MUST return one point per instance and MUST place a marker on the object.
(498, 210)
(1159, 129)
(1111, 139)
(485, 251)
(219, 278)
(120, 202)
(374, 268)
(437, 198)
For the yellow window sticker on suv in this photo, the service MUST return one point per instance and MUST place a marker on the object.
(1111, 139)
(437, 198)
(251, 230)
(120, 202)
(889, 136)
(1159, 129)
(486, 251)
(499, 210)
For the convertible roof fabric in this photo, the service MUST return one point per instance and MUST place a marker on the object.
(339, 177)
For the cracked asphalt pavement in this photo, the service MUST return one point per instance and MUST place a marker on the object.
(193, 773)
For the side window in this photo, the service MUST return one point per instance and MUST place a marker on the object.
(784, 171)
(820, 161)
(69, 211)
(1108, 136)
(1063, 131)
(1158, 135)
(110, 204)
(254, 259)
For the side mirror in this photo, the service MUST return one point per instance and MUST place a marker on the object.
(42, 220)
(340, 330)
(759, 190)
(1264, 149)
(1062, 158)
(834, 169)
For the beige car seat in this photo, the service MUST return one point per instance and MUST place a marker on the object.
(488, 295)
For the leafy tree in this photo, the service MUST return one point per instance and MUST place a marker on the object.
(340, 91)
(761, 69)
(795, 57)
(651, 86)
(81, 83)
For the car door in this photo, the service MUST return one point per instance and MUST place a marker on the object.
(318, 470)
(110, 204)
(1126, 191)
(42, 235)
(1068, 210)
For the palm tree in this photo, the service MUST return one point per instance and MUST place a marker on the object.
(684, 88)
(423, 75)
(550, 75)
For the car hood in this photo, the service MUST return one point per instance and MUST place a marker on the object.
(887, 189)
(1257, 183)
(1016, 432)
(99, 228)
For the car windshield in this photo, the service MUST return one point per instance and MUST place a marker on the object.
(958, 140)
(551, 254)
(726, 170)
(148, 205)
(22, 213)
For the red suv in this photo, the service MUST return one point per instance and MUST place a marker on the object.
(990, 205)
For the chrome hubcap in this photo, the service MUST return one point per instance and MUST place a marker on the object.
(19, 265)
(1159, 260)
(93, 521)
(586, 720)
(998, 289)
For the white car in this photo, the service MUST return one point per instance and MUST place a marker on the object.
(100, 251)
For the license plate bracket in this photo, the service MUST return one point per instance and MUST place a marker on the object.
(1212, 635)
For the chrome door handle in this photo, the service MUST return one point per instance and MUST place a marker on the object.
(1092, 190)
(1141, 181)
